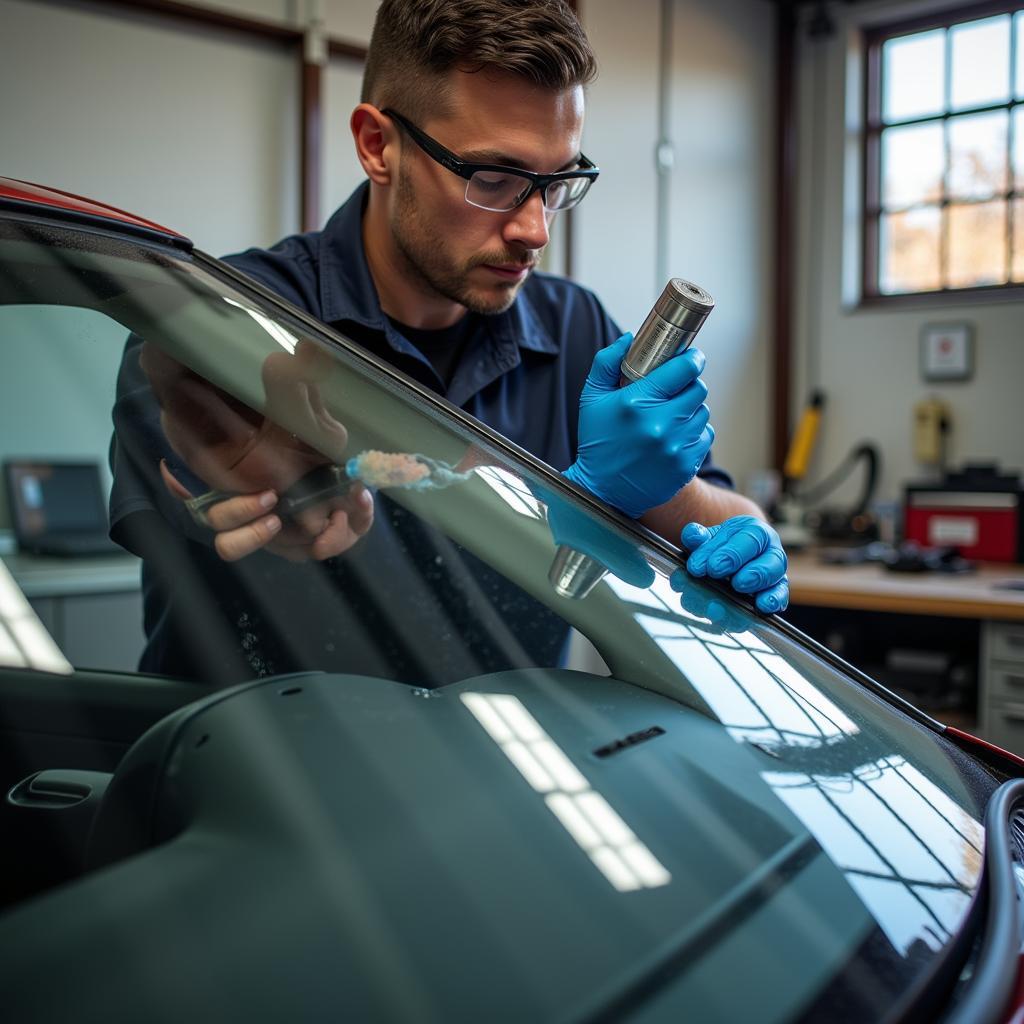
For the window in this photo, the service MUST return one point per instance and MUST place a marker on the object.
(944, 202)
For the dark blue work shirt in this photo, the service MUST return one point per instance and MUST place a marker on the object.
(521, 372)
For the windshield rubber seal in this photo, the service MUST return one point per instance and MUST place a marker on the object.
(108, 225)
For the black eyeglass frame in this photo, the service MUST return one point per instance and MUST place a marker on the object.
(465, 169)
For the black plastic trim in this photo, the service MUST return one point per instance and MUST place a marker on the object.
(77, 218)
(988, 996)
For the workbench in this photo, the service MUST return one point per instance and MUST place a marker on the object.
(982, 596)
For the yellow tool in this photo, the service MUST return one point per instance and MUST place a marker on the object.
(801, 448)
(932, 421)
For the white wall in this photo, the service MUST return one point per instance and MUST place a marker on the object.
(720, 203)
(866, 360)
(195, 130)
(615, 226)
(351, 20)
(341, 170)
(723, 127)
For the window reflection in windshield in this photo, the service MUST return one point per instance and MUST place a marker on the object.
(585, 814)
(24, 641)
(917, 873)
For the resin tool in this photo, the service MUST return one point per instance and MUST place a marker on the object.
(373, 469)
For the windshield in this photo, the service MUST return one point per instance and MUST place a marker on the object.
(458, 559)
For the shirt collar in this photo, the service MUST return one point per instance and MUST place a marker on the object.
(347, 291)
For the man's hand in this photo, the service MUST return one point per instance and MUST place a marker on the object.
(255, 457)
(246, 523)
(745, 549)
(639, 444)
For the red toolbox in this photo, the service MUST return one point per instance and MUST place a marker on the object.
(978, 512)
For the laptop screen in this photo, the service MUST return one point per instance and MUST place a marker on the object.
(48, 498)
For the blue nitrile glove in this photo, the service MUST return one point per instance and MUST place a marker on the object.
(698, 599)
(640, 443)
(746, 549)
(583, 533)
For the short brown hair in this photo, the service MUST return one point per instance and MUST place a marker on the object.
(416, 42)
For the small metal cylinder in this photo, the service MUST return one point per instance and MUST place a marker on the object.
(574, 574)
(669, 329)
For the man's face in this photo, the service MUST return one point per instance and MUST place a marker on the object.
(478, 258)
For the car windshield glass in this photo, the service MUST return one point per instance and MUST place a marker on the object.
(449, 563)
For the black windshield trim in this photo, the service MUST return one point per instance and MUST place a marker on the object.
(987, 997)
(110, 225)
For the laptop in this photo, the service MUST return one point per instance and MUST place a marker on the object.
(57, 508)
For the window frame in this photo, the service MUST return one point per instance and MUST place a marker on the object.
(871, 139)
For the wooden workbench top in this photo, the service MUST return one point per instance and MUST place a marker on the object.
(975, 595)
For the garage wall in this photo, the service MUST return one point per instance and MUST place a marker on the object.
(341, 171)
(181, 125)
(866, 360)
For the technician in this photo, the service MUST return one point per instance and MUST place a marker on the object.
(469, 133)
(431, 266)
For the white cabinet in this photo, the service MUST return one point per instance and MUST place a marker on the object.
(1001, 693)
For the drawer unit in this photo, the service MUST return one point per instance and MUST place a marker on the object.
(1001, 693)
(1006, 641)
(1006, 726)
(1006, 682)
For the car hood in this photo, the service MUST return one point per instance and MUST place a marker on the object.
(527, 845)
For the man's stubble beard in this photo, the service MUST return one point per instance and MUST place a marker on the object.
(428, 265)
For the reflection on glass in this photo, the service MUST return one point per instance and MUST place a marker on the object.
(591, 821)
(511, 489)
(1018, 21)
(977, 244)
(1018, 240)
(284, 338)
(980, 54)
(913, 75)
(977, 155)
(752, 691)
(909, 251)
(24, 641)
(1018, 147)
(916, 873)
(909, 852)
(904, 917)
(913, 159)
(658, 595)
(828, 720)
